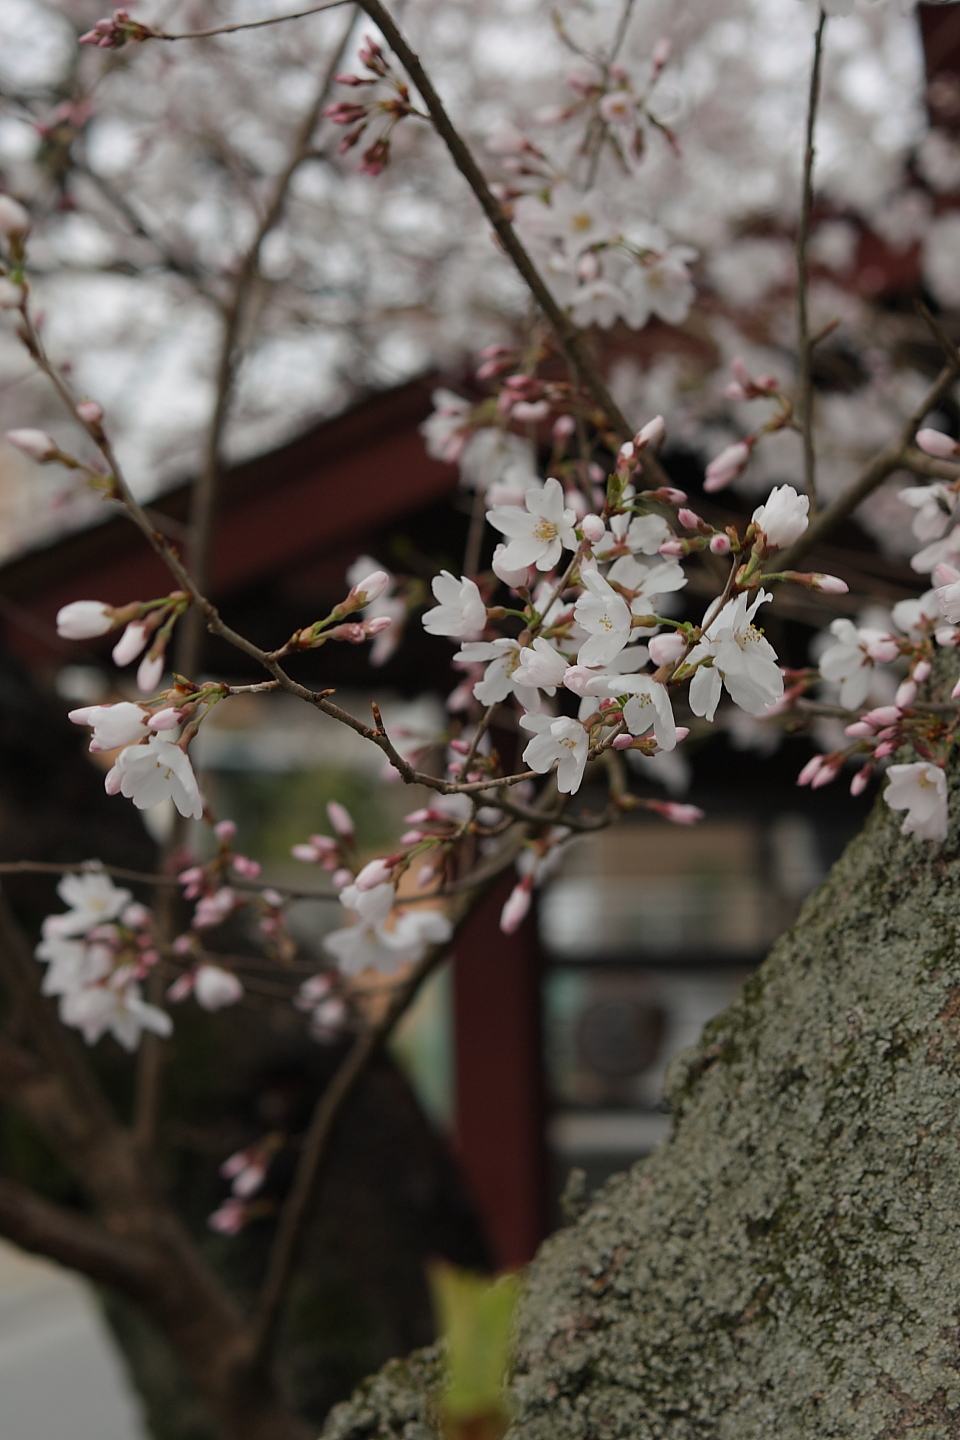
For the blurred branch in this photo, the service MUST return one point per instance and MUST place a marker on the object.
(247, 24)
(298, 1209)
(63, 1235)
(805, 407)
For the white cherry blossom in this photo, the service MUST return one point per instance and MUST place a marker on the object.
(782, 517)
(538, 533)
(921, 789)
(741, 658)
(648, 708)
(935, 507)
(121, 1010)
(605, 615)
(502, 676)
(461, 613)
(649, 580)
(214, 988)
(112, 725)
(849, 663)
(148, 774)
(563, 743)
(542, 667)
(643, 533)
(93, 899)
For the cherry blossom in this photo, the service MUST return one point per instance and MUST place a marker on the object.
(782, 517)
(121, 1010)
(112, 725)
(562, 743)
(935, 506)
(539, 532)
(648, 708)
(604, 614)
(214, 988)
(461, 612)
(542, 667)
(849, 663)
(740, 657)
(503, 675)
(921, 789)
(150, 773)
(93, 899)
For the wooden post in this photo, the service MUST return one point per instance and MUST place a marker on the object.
(500, 1092)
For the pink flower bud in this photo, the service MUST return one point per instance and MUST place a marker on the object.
(829, 585)
(168, 719)
(827, 773)
(810, 770)
(90, 412)
(225, 831)
(921, 671)
(593, 528)
(340, 878)
(530, 411)
(906, 692)
(341, 821)
(945, 635)
(377, 872)
(112, 781)
(689, 518)
(622, 742)
(726, 466)
(182, 987)
(944, 574)
(670, 496)
(377, 625)
(412, 837)
(666, 649)
(934, 442)
(149, 673)
(563, 427)
(36, 443)
(418, 817)
(131, 642)
(84, 619)
(672, 548)
(682, 732)
(859, 730)
(955, 692)
(720, 545)
(14, 220)
(860, 781)
(246, 867)
(676, 814)
(883, 715)
(887, 748)
(515, 910)
(651, 434)
(369, 589)
(306, 853)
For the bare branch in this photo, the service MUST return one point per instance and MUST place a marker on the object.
(805, 406)
(64, 1235)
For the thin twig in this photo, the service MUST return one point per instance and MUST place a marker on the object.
(805, 345)
(204, 494)
(246, 24)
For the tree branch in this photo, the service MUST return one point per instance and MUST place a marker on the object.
(892, 457)
(805, 407)
(73, 1240)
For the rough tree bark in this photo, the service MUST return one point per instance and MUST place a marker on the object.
(787, 1263)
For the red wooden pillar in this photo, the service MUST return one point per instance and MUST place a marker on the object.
(500, 1093)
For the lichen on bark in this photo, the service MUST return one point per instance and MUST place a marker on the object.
(787, 1264)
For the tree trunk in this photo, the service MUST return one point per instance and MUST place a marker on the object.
(787, 1264)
